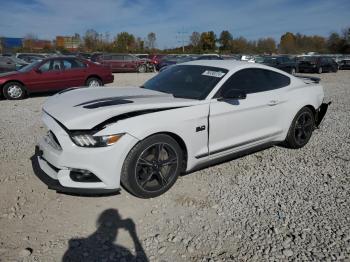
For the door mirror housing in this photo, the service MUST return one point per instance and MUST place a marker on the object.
(233, 94)
(37, 70)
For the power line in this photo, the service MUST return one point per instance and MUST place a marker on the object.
(181, 35)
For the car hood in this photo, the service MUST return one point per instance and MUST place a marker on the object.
(85, 108)
(9, 74)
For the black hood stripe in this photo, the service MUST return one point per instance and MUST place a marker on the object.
(132, 114)
(116, 98)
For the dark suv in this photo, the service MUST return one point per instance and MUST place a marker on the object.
(281, 62)
(123, 63)
(317, 64)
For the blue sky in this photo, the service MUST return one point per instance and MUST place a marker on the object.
(250, 18)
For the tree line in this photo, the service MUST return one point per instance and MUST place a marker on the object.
(208, 42)
(289, 43)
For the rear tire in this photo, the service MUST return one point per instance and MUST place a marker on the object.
(152, 166)
(14, 91)
(93, 82)
(301, 129)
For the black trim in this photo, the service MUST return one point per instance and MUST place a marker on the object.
(238, 145)
(232, 156)
(316, 80)
(113, 119)
(321, 112)
(130, 115)
(108, 103)
(116, 98)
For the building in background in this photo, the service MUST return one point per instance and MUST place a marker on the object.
(70, 43)
(9, 43)
(36, 44)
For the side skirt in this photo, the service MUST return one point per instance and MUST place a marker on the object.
(232, 156)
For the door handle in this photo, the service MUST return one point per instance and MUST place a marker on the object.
(273, 102)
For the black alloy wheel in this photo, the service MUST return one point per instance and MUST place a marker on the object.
(156, 167)
(152, 166)
(303, 128)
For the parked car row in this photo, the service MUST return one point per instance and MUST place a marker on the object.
(52, 74)
(11, 63)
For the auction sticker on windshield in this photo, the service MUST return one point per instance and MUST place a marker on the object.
(218, 74)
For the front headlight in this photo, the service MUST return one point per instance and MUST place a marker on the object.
(87, 140)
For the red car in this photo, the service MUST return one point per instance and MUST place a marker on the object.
(119, 63)
(54, 73)
(156, 59)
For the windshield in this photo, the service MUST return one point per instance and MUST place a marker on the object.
(29, 67)
(308, 58)
(187, 81)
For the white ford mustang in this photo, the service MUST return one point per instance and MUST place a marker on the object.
(188, 116)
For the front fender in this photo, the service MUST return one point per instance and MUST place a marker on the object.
(182, 122)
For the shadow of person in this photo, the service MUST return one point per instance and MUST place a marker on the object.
(100, 245)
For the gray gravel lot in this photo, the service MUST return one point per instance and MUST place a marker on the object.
(274, 205)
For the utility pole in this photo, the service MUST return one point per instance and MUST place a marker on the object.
(181, 35)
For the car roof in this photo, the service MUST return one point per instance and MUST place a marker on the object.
(227, 64)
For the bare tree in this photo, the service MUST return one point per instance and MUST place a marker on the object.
(151, 40)
(195, 39)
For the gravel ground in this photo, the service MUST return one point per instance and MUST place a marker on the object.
(277, 204)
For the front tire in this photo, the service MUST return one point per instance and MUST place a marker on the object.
(14, 91)
(301, 129)
(142, 69)
(93, 82)
(152, 166)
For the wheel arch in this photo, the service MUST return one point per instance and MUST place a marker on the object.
(181, 143)
(93, 76)
(14, 81)
(312, 108)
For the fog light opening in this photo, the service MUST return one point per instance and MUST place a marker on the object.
(81, 175)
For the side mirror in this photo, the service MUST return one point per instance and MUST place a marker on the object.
(233, 94)
(37, 70)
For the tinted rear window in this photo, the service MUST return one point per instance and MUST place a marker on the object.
(255, 80)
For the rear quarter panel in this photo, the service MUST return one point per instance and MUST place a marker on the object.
(297, 96)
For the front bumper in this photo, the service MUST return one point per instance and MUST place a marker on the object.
(59, 160)
(109, 79)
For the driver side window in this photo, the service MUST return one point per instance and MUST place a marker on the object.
(254, 80)
(51, 65)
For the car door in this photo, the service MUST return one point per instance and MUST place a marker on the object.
(118, 64)
(325, 64)
(73, 73)
(48, 76)
(238, 124)
(130, 63)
